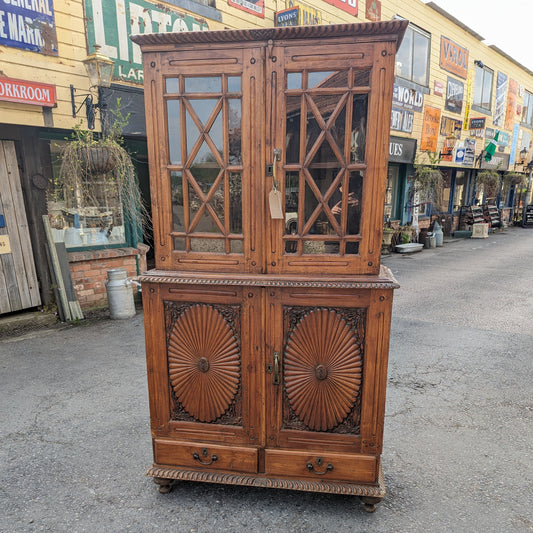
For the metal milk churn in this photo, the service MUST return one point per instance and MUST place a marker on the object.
(119, 294)
(439, 236)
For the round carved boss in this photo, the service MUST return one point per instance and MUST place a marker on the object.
(203, 362)
(322, 369)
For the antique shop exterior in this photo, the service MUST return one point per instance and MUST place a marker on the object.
(452, 95)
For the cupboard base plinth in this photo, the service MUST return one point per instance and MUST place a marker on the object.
(370, 494)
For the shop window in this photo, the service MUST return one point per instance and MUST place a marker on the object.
(412, 59)
(527, 109)
(483, 88)
(89, 215)
(391, 201)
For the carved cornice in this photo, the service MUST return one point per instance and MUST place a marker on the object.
(350, 489)
(384, 281)
(394, 28)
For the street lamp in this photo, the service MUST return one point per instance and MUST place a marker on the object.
(100, 70)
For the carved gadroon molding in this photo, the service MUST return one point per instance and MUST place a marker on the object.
(350, 489)
(323, 369)
(203, 362)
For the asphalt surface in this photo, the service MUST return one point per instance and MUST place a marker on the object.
(75, 437)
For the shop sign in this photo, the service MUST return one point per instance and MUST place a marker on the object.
(29, 25)
(307, 15)
(477, 127)
(350, 6)
(407, 98)
(373, 10)
(470, 152)
(27, 92)
(287, 17)
(447, 148)
(514, 144)
(430, 129)
(512, 95)
(402, 150)
(438, 88)
(455, 90)
(460, 154)
(451, 126)
(499, 107)
(498, 162)
(402, 120)
(255, 8)
(453, 58)
(124, 18)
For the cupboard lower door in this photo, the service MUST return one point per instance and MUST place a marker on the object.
(326, 387)
(203, 358)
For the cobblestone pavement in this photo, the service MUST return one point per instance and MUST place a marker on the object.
(75, 439)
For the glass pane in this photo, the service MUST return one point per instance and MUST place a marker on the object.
(234, 132)
(208, 245)
(487, 90)
(179, 244)
(172, 85)
(314, 247)
(361, 78)
(318, 78)
(293, 113)
(331, 247)
(294, 80)
(358, 135)
(404, 57)
(235, 199)
(203, 85)
(234, 84)
(176, 193)
(174, 143)
(236, 246)
(352, 248)
(311, 204)
(355, 189)
(421, 59)
(291, 247)
(205, 165)
(291, 193)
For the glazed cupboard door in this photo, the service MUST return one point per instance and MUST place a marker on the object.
(327, 146)
(206, 128)
(326, 388)
(203, 360)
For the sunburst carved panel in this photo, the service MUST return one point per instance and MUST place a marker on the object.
(203, 361)
(322, 368)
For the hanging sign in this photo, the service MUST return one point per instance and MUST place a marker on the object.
(29, 25)
(27, 92)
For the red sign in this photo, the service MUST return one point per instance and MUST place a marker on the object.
(350, 6)
(373, 10)
(28, 92)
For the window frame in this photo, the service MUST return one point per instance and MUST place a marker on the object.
(478, 106)
(413, 29)
(527, 109)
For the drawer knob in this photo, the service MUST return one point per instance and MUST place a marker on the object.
(319, 461)
(205, 454)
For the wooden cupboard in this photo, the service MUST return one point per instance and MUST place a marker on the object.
(267, 317)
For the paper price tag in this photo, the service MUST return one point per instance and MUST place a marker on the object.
(274, 201)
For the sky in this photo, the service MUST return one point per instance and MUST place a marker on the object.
(508, 25)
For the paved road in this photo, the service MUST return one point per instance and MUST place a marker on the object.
(74, 433)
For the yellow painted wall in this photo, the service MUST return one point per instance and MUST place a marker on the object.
(67, 68)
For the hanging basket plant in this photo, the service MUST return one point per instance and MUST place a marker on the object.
(490, 180)
(514, 178)
(428, 180)
(92, 166)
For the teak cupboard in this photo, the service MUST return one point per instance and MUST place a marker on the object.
(267, 317)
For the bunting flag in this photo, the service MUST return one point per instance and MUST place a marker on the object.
(490, 150)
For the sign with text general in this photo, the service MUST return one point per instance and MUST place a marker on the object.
(124, 18)
(29, 25)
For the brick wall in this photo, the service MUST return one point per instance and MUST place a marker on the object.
(89, 271)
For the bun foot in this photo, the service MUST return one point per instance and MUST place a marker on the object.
(370, 503)
(165, 485)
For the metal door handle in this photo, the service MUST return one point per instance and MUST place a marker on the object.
(275, 378)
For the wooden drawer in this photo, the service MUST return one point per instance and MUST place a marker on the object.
(323, 466)
(205, 456)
